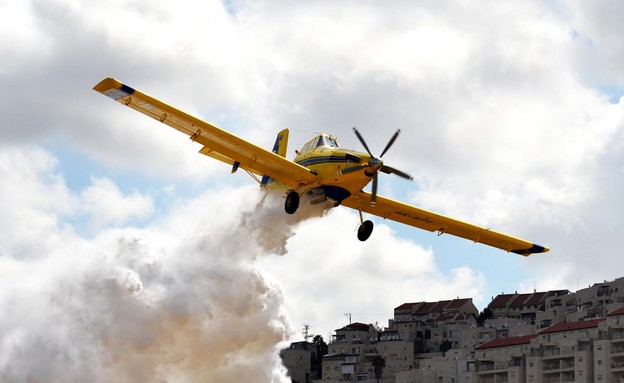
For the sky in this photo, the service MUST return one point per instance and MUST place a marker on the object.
(149, 261)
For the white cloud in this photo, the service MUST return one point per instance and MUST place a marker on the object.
(596, 28)
(106, 205)
(175, 301)
(327, 272)
(32, 197)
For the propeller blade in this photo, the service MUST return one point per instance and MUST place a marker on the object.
(362, 141)
(374, 192)
(394, 137)
(352, 169)
(390, 169)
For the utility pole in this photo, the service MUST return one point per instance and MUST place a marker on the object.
(348, 315)
(306, 333)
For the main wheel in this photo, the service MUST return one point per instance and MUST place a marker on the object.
(292, 202)
(365, 230)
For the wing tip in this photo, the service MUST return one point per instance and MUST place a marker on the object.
(113, 88)
(532, 250)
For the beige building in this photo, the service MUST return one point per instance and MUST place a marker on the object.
(540, 337)
(350, 354)
(298, 361)
(500, 360)
(434, 326)
(609, 349)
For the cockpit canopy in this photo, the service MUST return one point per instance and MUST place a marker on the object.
(324, 140)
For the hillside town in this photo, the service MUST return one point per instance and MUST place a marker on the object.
(538, 337)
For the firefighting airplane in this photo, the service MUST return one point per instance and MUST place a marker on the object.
(321, 170)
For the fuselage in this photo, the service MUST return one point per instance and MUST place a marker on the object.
(324, 156)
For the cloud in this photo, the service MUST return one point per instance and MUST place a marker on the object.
(32, 197)
(600, 51)
(105, 204)
(327, 272)
(178, 300)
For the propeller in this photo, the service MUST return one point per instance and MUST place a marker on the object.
(376, 163)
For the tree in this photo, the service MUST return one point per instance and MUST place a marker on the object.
(445, 346)
(378, 363)
(483, 315)
(317, 357)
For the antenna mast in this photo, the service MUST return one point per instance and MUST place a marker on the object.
(306, 332)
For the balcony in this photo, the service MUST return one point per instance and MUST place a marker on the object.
(559, 366)
(489, 367)
(617, 366)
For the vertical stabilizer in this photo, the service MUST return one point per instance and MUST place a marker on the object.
(280, 148)
(281, 143)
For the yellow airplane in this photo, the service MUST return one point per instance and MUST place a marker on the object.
(321, 170)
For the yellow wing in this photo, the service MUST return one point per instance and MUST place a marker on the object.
(423, 219)
(217, 143)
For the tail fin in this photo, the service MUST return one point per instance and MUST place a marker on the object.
(280, 147)
(281, 143)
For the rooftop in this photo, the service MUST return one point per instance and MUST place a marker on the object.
(422, 308)
(619, 311)
(355, 326)
(506, 342)
(500, 301)
(571, 326)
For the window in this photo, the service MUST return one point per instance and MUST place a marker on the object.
(326, 141)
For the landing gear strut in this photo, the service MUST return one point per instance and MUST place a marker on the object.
(365, 230)
(292, 202)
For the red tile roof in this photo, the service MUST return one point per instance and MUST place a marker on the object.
(407, 306)
(619, 311)
(536, 299)
(456, 304)
(559, 327)
(506, 342)
(425, 308)
(500, 302)
(439, 306)
(355, 326)
(520, 300)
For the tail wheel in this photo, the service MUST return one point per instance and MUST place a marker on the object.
(292, 202)
(365, 230)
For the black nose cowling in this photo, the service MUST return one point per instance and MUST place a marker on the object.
(375, 163)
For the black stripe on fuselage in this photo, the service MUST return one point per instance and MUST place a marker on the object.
(321, 160)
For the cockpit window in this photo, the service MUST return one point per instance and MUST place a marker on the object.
(327, 141)
(331, 141)
(318, 141)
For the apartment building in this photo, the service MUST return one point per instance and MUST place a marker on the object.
(499, 360)
(297, 359)
(609, 349)
(434, 326)
(540, 337)
(353, 354)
